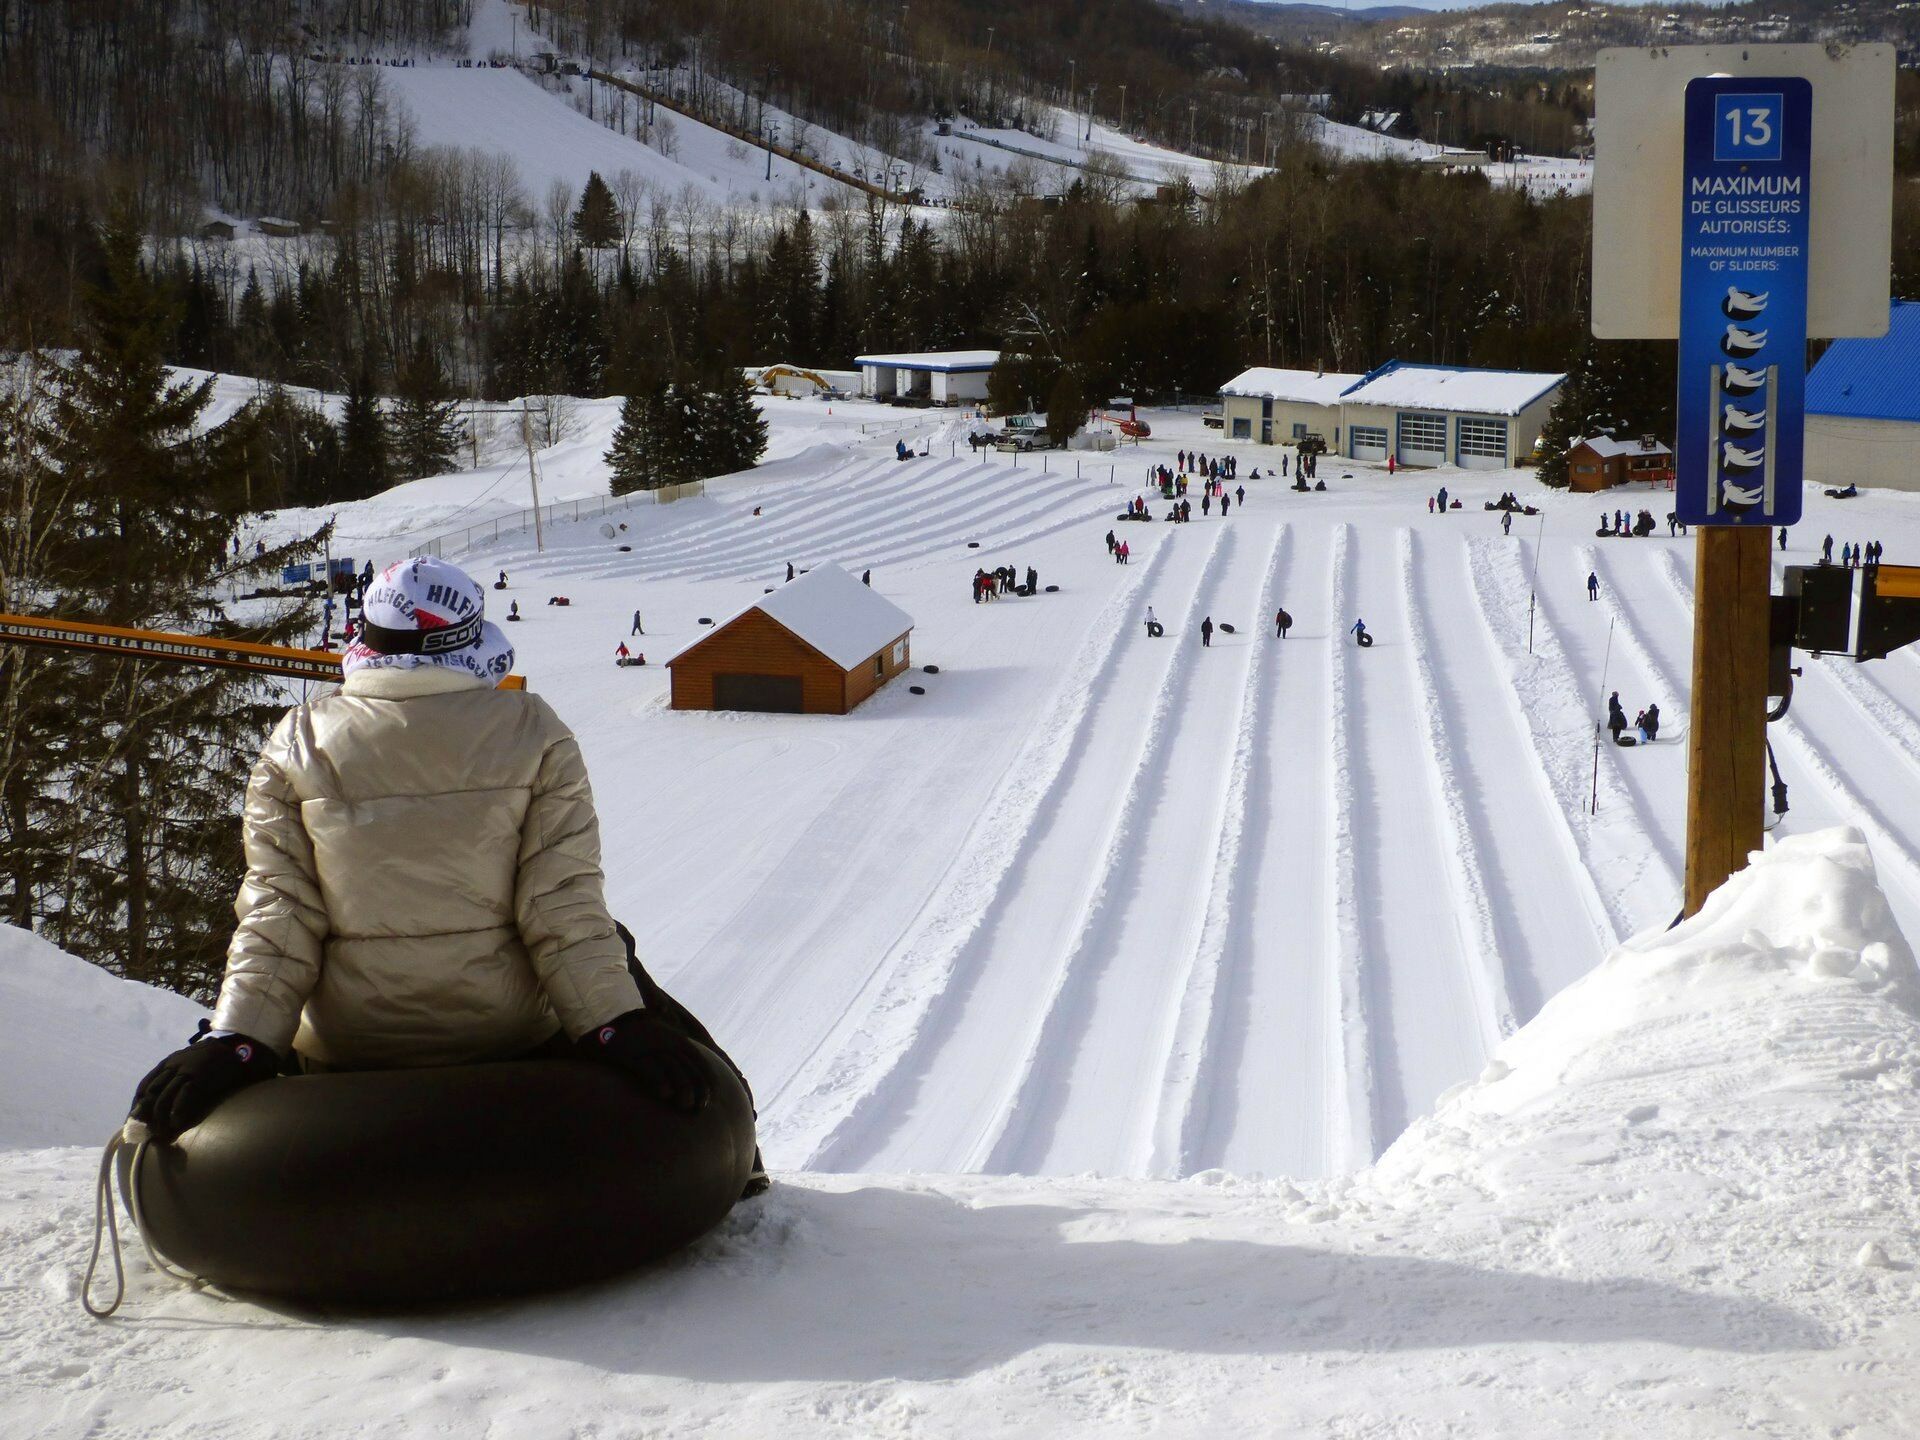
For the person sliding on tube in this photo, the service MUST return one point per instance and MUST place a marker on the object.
(423, 882)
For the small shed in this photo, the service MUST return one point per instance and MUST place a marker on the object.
(818, 645)
(278, 226)
(1602, 462)
(217, 230)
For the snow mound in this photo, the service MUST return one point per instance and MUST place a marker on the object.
(74, 1041)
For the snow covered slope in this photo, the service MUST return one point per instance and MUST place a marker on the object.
(1677, 1203)
(73, 1042)
(1096, 902)
(504, 112)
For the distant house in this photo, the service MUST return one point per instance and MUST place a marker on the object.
(1863, 408)
(818, 645)
(946, 377)
(217, 230)
(276, 225)
(1602, 462)
(1282, 407)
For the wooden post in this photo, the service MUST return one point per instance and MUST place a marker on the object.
(1727, 738)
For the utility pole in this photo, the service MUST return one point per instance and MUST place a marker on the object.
(990, 74)
(533, 474)
(1123, 109)
(1193, 116)
(1072, 73)
(1093, 92)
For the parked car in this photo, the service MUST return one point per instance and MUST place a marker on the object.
(1213, 420)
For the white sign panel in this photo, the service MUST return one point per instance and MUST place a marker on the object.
(1640, 105)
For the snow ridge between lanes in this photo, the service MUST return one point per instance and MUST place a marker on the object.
(1616, 850)
(1352, 1017)
(1035, 1121)
(1466, 865)
(840, 1106)
(1192, 1056)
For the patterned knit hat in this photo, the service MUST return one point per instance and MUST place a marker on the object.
(425, 611)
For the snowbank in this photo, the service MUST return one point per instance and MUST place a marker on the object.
(1676, 1204)
(74, 1041)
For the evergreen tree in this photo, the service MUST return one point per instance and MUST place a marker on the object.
(776, 328)
(1616, 387)
(732, 431)
(688, 427)
(596, 220)
(425, 423)
(1066, 406)
(366, 464)
(140, 790)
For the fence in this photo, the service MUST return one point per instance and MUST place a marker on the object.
(520, 522)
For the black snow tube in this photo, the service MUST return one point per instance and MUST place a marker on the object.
(1365, 639)
(408, 1187)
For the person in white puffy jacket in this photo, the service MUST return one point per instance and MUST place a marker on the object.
(423, 879)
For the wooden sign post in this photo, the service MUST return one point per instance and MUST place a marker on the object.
(1726, 219)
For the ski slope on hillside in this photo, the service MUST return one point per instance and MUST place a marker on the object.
(1097, 902)
(504, 112)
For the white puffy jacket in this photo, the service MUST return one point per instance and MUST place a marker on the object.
(423, 880)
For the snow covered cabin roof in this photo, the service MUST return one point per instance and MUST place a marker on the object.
(1608, 448)
(1871, 379)
(946, 361)
(1306, 387)
(844, 620)
(1458, 388)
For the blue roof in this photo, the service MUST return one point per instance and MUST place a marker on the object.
(1872, 379)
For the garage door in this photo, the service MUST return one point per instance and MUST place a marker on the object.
(777, 693)
(1483, 444)
(1369, 442)
(1423, 440)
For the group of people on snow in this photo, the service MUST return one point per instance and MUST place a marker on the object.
(1003, 580)
(1852, 554)
(1219, 467)
(1620, 523)
(1646, 725)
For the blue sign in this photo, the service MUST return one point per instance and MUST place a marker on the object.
(1743, 301)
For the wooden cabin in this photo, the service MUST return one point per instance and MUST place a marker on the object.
(1603, 462)
(817, 645)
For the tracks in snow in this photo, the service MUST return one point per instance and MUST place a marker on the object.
(1258, 1057)
(1095, 1094)
(975, 978)
(1428, 1012)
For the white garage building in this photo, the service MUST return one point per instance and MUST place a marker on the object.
(946, 377)
(1447, 415)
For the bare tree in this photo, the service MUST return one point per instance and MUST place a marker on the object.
(556, 216)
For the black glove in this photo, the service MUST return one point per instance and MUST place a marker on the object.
(183, 1089)
(660, 1058)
